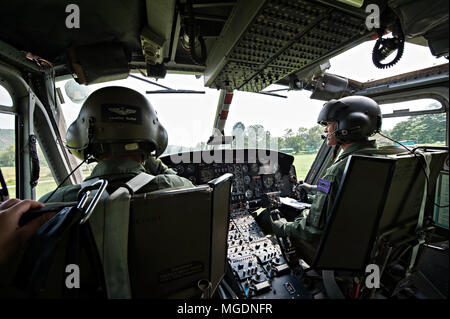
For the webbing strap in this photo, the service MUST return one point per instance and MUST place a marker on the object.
(415, 249)
(110, 227)
(331, 287)
(115, 242)
(139, 181)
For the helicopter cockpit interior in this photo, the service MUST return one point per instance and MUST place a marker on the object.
(53, 53)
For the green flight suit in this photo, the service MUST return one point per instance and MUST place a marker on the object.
(123, 171)
(310, 224)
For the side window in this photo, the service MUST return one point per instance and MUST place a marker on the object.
(414, 130)
(7, 142)
(5, 98)
(46, 181)
(8, 152)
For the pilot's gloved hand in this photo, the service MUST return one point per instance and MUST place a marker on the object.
(278, 227)
(170, 171)
(262, 217)
(155, 166)
(310, 189)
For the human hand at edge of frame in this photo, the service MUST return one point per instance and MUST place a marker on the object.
(12, 237)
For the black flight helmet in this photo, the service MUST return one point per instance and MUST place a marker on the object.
(357, 117)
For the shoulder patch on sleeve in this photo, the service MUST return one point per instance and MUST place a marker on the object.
(323, 185)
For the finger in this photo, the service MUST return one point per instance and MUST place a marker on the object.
(10, 202)
(31, 227)
(21, 207)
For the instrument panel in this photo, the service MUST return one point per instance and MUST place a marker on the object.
(248, 184)
(257, 265)
(252, 177)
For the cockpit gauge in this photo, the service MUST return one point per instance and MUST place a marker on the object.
(244, 168)
(230, 168)
(268, 181)
(247, 179)
(249, 194)
(277, 176)
(190, 169)
(254, 168)
(180, 169)
(206, 174)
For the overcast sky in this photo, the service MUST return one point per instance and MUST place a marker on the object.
(189, 118)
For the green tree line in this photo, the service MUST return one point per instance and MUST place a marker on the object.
(422, 129)
(256, 136)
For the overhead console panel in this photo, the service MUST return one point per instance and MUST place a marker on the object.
(266, 41)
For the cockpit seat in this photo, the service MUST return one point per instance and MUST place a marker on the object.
(178, 241)
(383, 206)
(169, 243)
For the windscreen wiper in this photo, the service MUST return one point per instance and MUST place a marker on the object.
(271, 94)
(166, 89)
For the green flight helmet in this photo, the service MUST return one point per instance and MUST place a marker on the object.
(357, 117)
(116, 120)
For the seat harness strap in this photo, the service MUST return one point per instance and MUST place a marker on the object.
(110, 224)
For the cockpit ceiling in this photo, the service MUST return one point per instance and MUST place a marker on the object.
(39, 27)
(248, 44)
(285, 36)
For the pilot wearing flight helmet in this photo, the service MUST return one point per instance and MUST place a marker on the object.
(348, 122)
(119, 129)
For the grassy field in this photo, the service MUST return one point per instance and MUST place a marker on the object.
(302, 163)
(44, 188)
(46, 182)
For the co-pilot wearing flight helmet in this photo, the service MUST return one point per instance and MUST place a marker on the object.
(348, 122)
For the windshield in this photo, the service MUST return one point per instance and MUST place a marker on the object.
(277, 116)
